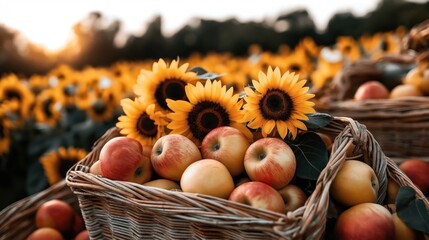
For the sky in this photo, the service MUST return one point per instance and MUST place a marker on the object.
(49, 22)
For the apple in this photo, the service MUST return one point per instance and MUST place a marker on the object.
(56, 214)
(293, 196)
(402, 231)
(45, 233)
(164, 184)
(392, 190)
(258, 195)
(365, 221)
(78, 224)
(83, 235)
(354, 183)
(227, 145)
(95, 168)
(121, 158)
(371, 90)
(207, 176)
(271, 161)
(172, 154)
(418, 172)
(326, 140)
(405, 90)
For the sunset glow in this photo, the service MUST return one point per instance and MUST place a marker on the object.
(49, 23)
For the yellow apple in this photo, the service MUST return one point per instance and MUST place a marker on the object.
(355, 183)
(392, 190)
(293, 196)
(207, 176)
(164, 184)
(402, 231)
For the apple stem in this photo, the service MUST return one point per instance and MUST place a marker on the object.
(261, 156)
(216, 147)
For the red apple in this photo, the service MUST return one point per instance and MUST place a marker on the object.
(207, 176)
(56, 214)
(258, 195)
(45, 233)
(78, 224)
(355, 183)
(172, 154)
(83, 235)
(121, 158)
(418, 171)
(293, 196)
(371, 90)
(365, 221)
(271, 161)
(227, 145)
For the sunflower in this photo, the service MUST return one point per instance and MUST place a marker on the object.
(16, 93)
(164, 82)
(278, 102)
(141, 121)
(48, 107)
(209, 106)
(57, 163)
(349, 48)
(4, 135)
(103, 104)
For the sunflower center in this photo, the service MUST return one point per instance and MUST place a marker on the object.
(384, 45)
(2, 131)
(206, 116)
(12, 94)
(276, 105)
(47, 107)
(295, 67)
(146, 126)
(69, 90)
(99, 106)
(65, 165)
(173, 89)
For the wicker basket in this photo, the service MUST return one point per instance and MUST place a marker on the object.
(401, 126)
(124, 210)
(17, 220)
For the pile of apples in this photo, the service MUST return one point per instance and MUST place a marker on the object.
(226, 165)
(57, 220)
(414, 84)
(259, 173)
(354, 195)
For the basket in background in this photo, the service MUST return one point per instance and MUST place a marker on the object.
(17, 220)
(124, 210)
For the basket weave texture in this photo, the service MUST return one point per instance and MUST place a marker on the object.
(124, 210)
(17, 220)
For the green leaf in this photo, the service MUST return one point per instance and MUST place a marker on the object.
(203, 74)
(311, 155)
(317, 120)
(412, 211)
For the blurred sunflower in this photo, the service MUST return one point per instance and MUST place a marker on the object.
(57, 163)
(141, 121)
(164, 82)
(68, 88)
(103, 104)
(48, 107)
(297, 62)
(209, 106)
(349, 48)
(278, 102)
(18, 94)
(4, 134)
(38, 83)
